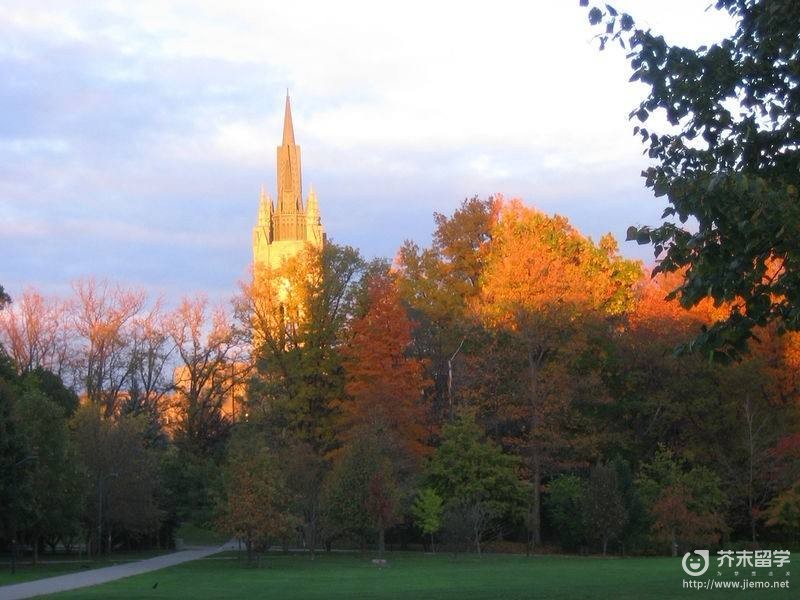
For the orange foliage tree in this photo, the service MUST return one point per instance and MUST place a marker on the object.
(210, 367)
(548, 293)
(103, 316)
(383, 384)
(256, 505)
(728, 417)
(437, 284)
(35, 332)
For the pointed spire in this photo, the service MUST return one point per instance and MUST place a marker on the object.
(265, 208)
(288, 128)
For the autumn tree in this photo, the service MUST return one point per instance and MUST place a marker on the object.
(256, 504)
(36, 333)
(685, 502)
(102, 318)
(437, 284)
(550, 295)
(658, 395)
(384, 384)
(207, 350)
(383, 501)
(730, 415)
(721, 125)
(151, 380)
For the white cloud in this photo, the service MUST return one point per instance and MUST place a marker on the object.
(116, 108)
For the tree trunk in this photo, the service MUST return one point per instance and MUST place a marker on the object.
(751, 466)
(535, 359)
(433, 550)
(536, 501)
(312, 539)
(381, 541)
(605, 545)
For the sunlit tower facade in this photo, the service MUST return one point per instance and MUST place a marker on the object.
(286, 225)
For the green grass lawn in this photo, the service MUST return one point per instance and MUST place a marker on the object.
(50, 566)
(411, 576)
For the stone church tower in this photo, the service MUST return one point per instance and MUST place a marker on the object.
(285, 227)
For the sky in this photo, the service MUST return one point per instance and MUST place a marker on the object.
(135, 136)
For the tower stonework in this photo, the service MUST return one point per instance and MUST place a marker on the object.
(285, 227)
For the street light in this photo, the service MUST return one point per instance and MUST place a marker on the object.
(30, 457)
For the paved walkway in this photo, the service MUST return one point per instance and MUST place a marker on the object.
(71, 581)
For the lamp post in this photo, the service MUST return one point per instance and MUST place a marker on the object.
(100, 483)
(20, 462)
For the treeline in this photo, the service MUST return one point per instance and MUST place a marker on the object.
(111, 409)
(513, 384)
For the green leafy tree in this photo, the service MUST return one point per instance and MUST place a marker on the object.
(4, 298)
(298, 316)
(190, 486)
(53, 506)
(564, 510)
(361, 495)
(636, 526)
(438, 284)
(305, 473)
(427, 512)
(14, 454)
(603, 506)
(783, 512)
(40, 482)
(52, 386)
(685, 502)
(477, 480)
(726, 160)
(121, 479)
